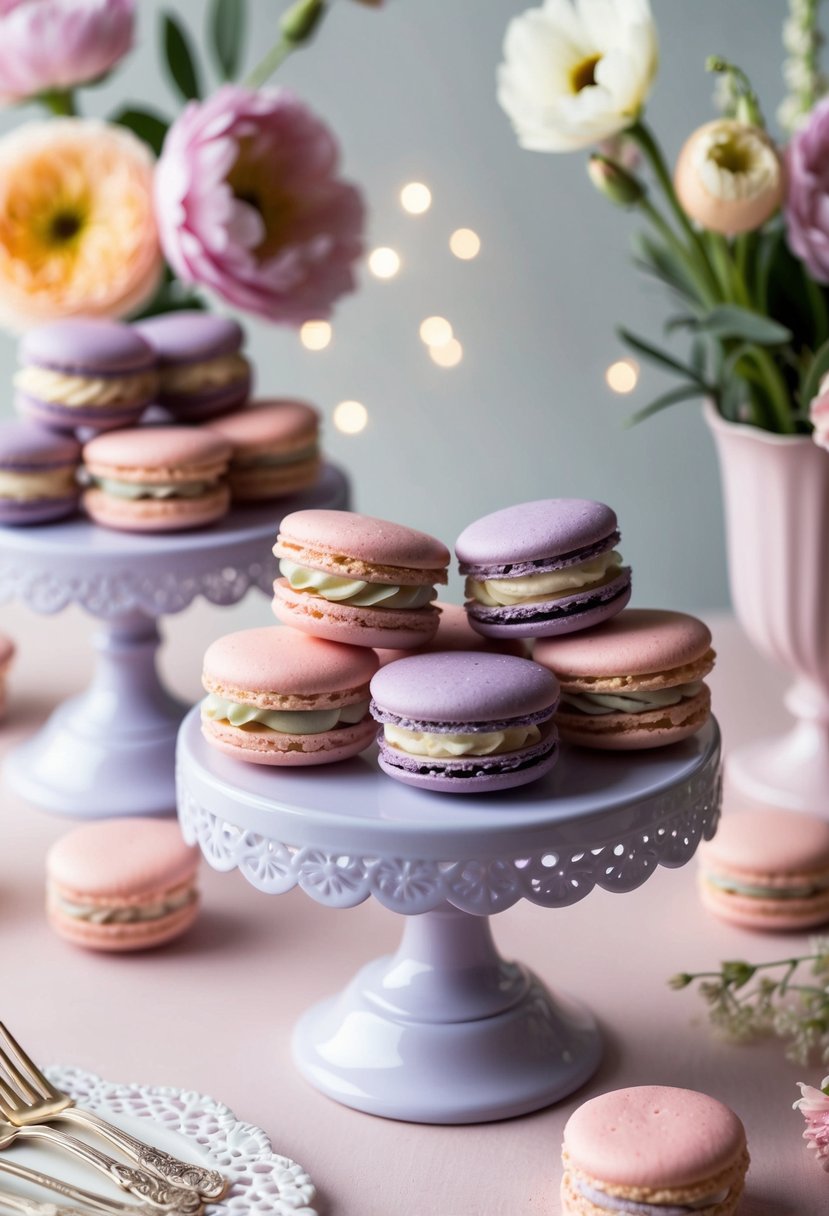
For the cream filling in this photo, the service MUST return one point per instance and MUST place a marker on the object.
(212, 373)
(138, 489)
(444, 746)
(27, 487)
(285, 722)
(599, 703)
(133, 914)
(611, 1203)
(755, 890)
(78, 391)
(535, 588)
(275, 460)
(353, 590)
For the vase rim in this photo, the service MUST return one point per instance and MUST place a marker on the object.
(715, 421)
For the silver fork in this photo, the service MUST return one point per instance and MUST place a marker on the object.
(28, 1097)
(90, 1200)
(34, 1207)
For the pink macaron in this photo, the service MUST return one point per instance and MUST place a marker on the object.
(455, 633)
(767, 869)
(355, 579)
(653, 1149)
(279, 697)
(275, 449)
(635, 682)
(157, 478)
(122, 884)
(7, 652)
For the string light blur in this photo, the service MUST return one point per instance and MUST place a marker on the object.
(449, 354)
(622, 376)
(435, 331)
(383, 262)
(465, 243)
(350, 417)
(415, 198)
(315, 335)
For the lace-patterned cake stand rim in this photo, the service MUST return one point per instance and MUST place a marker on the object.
(111, 750)
(196, 1128)
(446, 1031)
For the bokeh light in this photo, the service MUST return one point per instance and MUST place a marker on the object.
(622, 376)
(383, 262)
(315, 335)
(435, 331)
(350, 417)
(447, 355)
(465, 243)
(415, 197)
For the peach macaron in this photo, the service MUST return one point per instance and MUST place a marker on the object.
(279, 697)
(157, 478)
(122, 884)
(767, 869)
(356, 579)
(275, 449)
(653, 1148)
(634, 682)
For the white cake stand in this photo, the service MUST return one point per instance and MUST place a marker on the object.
(446, 1031)
(111, 750)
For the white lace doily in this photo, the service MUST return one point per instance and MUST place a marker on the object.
(262, 1182)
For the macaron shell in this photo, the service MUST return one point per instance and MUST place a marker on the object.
(190, 336)
(37, 510)
(456, 633)
(530, 531)
(314, 537)
(553, 618)
(127, 860)
(637, 642)
(374, 627)
(119, 939)
(87, 345)
(206, 404)
(765, 915)
(154, 514)
(636, 732)
(31, 449)
(269, 426)
(272, 747)
(768, 846)
(261, 484)
(68, 419)
(473, 774)
(668, 1203)
(164, 453)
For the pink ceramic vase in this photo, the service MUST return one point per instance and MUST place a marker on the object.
(776, 492)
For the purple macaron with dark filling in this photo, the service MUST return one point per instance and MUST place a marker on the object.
(37, 474)
(202, 370)
(84, 373)
(543, 568)
(465, 722)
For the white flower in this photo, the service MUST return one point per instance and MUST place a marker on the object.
(577, 71)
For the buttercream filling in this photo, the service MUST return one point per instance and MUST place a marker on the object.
(136, 489)
(445, 746)
(353, 590)
(212, 373)
(614, 1203)
(285, 722)
(44, 384)
(275, 460)
(756, 890)
(27, 487)
(598, 703)
(553, 584)
(132, 914)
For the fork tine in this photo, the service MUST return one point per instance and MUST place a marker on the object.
(10, 1102)
(31, 1079)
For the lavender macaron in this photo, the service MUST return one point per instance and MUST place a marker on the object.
(202, 370)
(37, 474)
(465, 722)
(539, 569)
(84, 373)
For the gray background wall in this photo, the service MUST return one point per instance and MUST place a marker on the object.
(410, 90)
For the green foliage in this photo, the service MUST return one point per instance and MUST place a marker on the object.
(150, 127)
(228, 26)
(179, 58)
(732, 321)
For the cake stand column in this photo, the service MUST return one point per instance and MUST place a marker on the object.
(112, 747)
(446, 1031)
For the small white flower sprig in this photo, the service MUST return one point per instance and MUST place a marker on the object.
(753, 1000)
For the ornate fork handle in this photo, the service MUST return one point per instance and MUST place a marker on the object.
(33, 1207)
(90, 1201)
(209, 1184)
(138, 1182)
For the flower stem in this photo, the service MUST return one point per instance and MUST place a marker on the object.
(60, 101)
(266, 66)
(706, 297)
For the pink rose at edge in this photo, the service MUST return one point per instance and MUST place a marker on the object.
(806, 207)
(814, 1106)
(57, 44)
(249, 205)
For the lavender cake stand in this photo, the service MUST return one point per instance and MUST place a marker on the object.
(445, 1030)
(111, 750)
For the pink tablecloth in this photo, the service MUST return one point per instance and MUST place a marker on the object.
(214, 1012)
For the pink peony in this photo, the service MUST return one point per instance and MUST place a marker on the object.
(814, 1106)
(807, 201)
(249, 205)
(57, 44)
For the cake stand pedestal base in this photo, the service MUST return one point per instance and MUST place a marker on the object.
(446, 1031)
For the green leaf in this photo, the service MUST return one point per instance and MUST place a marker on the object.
(811, 381)
(660, 357)
(684, 393)
(148, 126)
(731, 321)
(228, 22)
(179, 58)
(658, 261)
(683, 321)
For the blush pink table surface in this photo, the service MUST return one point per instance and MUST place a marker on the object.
(214, 1012)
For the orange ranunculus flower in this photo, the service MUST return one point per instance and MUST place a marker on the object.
(77, 228)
